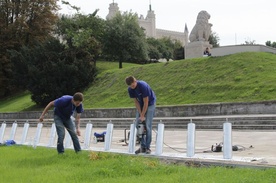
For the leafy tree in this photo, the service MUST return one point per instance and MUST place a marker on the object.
(153, 51)
(64, 63)
(249, 42)
(61, 65)
(165, 48)
(53, 70)
(124, 39)
(83, 32)
(269, 43)
(22, 23)
(178, 50)
(179, 53)
(214, 39)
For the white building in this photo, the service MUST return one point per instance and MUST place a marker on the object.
(149, 24)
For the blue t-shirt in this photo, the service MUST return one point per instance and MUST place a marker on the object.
(64, 108)
(141, 91)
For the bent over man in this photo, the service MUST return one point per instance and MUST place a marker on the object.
(64, 107)
(144, 100)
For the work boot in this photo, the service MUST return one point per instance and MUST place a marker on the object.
(148, 151)
(140, 150)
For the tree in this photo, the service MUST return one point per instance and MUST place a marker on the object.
(53, 70)
(178, 50)
(153, 51)
(165, 48)
(249, 42)
(124, 40)
(22, 23)
(82, 31)
(269, 43)
(214, 39)
(50, 65)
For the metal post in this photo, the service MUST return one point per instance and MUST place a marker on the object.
(37, 134)
(13, 130)
(227, 140)
(108, 136)
(132, 138)
(87, 137)
(25, 132)
(160, 139)
(52, 135)
(2, 131)
(191, 140)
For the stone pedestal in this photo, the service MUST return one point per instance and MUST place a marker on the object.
(196, 49)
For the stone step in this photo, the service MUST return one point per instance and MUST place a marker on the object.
(248, 122)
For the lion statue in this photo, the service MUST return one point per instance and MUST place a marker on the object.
(202, 28)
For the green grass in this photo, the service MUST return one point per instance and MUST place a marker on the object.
(235, 78)
(26, 164)
(243, 77)
(18, 102)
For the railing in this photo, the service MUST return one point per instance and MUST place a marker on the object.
(239, 122)
(30, 132)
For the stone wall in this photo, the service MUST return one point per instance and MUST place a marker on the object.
(228, 50)
(265, 107)
(196, 49)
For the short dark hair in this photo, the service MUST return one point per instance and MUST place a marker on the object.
(130, 80)
(78, 97)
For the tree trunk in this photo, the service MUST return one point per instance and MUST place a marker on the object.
(120, 64)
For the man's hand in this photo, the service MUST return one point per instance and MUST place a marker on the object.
(142, 118)
(78, 132)
(41, 118)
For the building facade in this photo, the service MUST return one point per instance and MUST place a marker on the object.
(149, 24)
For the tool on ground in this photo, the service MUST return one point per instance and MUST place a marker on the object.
(99, 137)
(141, 130)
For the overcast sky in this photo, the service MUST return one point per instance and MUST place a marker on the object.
(234, 21)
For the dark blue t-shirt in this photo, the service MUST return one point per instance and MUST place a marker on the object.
(64, 107)
(141, 91)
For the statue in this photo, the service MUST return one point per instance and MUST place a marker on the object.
(202, 28)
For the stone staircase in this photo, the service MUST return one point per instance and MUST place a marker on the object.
(239, 122)
(243, 116)
(258, 122)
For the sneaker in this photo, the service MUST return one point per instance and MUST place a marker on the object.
(148, 151)
(140, 150)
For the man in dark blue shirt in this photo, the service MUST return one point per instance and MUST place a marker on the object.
(64, 107)
(144, 99)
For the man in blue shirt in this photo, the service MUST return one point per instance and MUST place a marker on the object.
(64, 107)
(144, 100)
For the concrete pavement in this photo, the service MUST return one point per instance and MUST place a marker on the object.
(255, 147)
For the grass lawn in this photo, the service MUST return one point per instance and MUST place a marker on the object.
(26, 164)
(243, 77)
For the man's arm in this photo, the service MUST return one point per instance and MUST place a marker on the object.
(137, 105)
(77, 123)
(145, 108)
(51, 104)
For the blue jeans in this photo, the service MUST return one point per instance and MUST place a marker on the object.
(69, 125)
(146, 139)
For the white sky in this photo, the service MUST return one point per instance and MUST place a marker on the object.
(235, 21)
